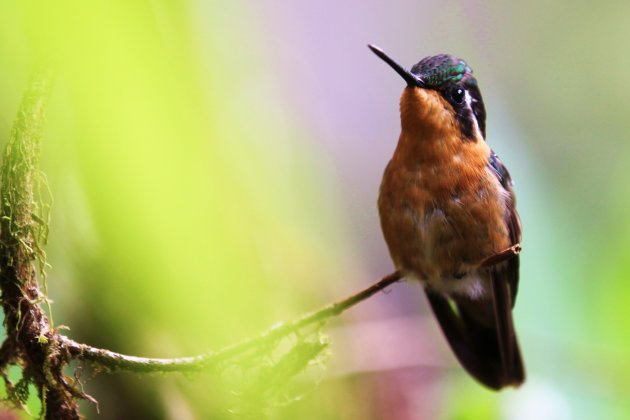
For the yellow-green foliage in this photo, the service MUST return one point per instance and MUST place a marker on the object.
(187, 205)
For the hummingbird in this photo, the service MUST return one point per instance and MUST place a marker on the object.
(448, 216)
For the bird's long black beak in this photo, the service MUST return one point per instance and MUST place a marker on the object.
(410, 78)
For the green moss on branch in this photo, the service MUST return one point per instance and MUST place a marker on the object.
(30, 341)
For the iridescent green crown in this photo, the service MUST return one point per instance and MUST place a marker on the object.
(438, 70)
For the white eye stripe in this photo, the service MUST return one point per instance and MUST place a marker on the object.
(469, 100)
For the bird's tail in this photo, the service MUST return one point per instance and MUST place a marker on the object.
(481, 334)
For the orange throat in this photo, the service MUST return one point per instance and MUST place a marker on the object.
(432, 142)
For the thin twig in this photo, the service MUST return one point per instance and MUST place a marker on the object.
(116, 361)
(502, 256)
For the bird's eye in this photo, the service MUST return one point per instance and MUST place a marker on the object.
(457, 95)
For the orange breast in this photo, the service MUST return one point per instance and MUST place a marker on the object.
(442, 210)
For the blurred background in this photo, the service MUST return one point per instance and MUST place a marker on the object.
(215, 168)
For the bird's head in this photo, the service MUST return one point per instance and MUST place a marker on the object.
(441, 94)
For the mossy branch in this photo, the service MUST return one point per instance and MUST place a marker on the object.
(31, 341)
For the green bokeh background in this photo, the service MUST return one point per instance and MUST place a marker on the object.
(215, 165)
